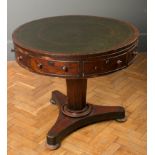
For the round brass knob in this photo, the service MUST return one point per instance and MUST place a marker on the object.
(19, 57)
(65, 68)
(12, 50)
(119, 62)
(40, 65)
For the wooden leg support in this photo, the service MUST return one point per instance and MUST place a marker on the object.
(67, 123)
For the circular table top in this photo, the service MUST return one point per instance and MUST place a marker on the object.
(79, 35)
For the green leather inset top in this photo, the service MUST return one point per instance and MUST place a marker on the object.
(74, 34)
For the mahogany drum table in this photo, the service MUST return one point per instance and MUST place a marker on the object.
(76, 48)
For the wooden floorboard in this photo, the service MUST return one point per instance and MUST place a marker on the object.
(30, 114)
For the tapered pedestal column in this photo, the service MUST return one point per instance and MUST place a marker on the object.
(76, 113)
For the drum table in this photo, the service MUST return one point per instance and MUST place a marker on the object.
(76, 48)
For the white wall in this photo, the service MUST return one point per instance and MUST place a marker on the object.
(21, 11)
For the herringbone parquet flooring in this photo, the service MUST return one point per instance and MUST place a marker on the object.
(30, 114)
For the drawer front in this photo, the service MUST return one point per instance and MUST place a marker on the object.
(92, 67)
(115, 63)
(52, 67)
(22, 57)
(104, 66)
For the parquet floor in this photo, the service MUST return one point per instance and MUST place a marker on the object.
(30, 115)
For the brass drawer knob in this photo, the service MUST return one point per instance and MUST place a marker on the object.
(64, 68)
(119, 62)
(19, 58)
(12, 50)
(40, 65)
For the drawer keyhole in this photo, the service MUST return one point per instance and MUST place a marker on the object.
(95, 67)
(107, 61)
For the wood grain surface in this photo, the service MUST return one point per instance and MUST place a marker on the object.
(30, 114)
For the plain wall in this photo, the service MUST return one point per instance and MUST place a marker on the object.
(22, 11)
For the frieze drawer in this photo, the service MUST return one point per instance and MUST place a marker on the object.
(92, 67)
(54, 67)
(115, 63)
(22, 58)
(104, 66)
